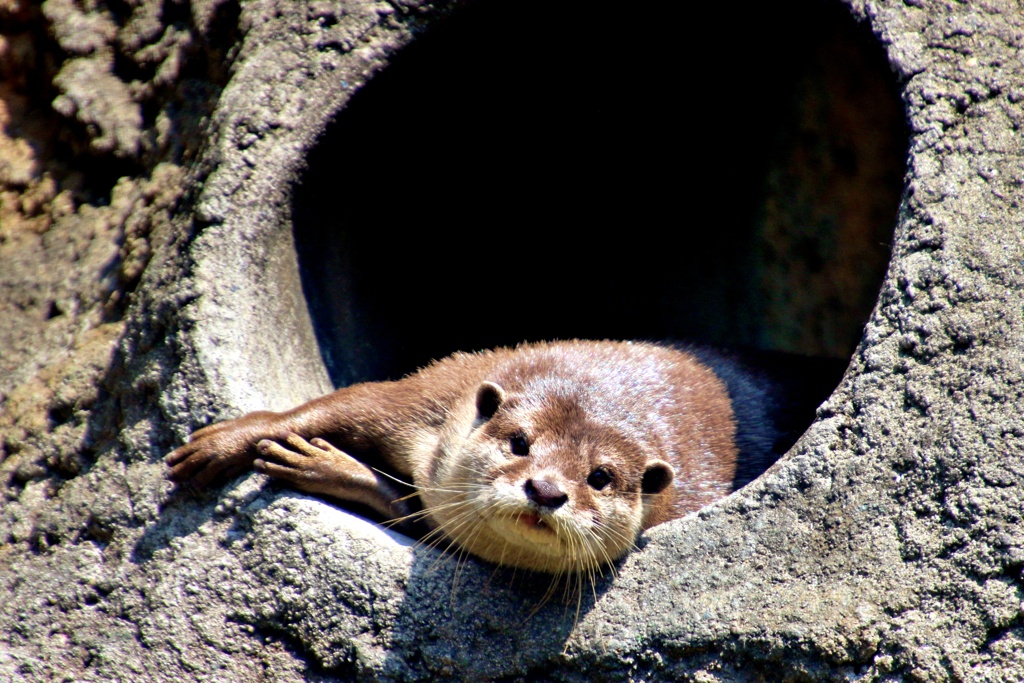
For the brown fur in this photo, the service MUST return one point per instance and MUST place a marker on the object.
(617, 437)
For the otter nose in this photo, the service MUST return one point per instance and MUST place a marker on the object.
(546, 493)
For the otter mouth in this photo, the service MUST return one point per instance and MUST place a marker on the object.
(531, 520)
(527, 530)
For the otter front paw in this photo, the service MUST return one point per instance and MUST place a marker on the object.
(221, 450)
(319, 468)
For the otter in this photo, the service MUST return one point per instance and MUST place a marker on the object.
(551, 457)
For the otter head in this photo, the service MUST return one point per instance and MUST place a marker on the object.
(537, 480)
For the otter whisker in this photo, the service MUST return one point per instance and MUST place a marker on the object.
(421, 514)
(393, 478)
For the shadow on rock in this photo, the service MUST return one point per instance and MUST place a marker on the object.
(485, 621)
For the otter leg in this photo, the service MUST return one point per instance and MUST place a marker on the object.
(319, 468)
(224, 449)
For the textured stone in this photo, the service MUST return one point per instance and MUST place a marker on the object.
(888, 545)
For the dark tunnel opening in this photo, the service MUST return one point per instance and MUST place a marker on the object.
(706, 174)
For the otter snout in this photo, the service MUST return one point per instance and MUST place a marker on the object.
(545, 493)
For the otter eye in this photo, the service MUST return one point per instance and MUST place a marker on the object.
(519, 445)
(599, 478)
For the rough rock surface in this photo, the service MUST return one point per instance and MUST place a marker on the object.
(887, 546)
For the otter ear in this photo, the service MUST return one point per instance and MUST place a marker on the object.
(657, 476)
(488, 398)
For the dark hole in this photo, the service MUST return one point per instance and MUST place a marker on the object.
(721, 175)
(53, 310)
(61, 413)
